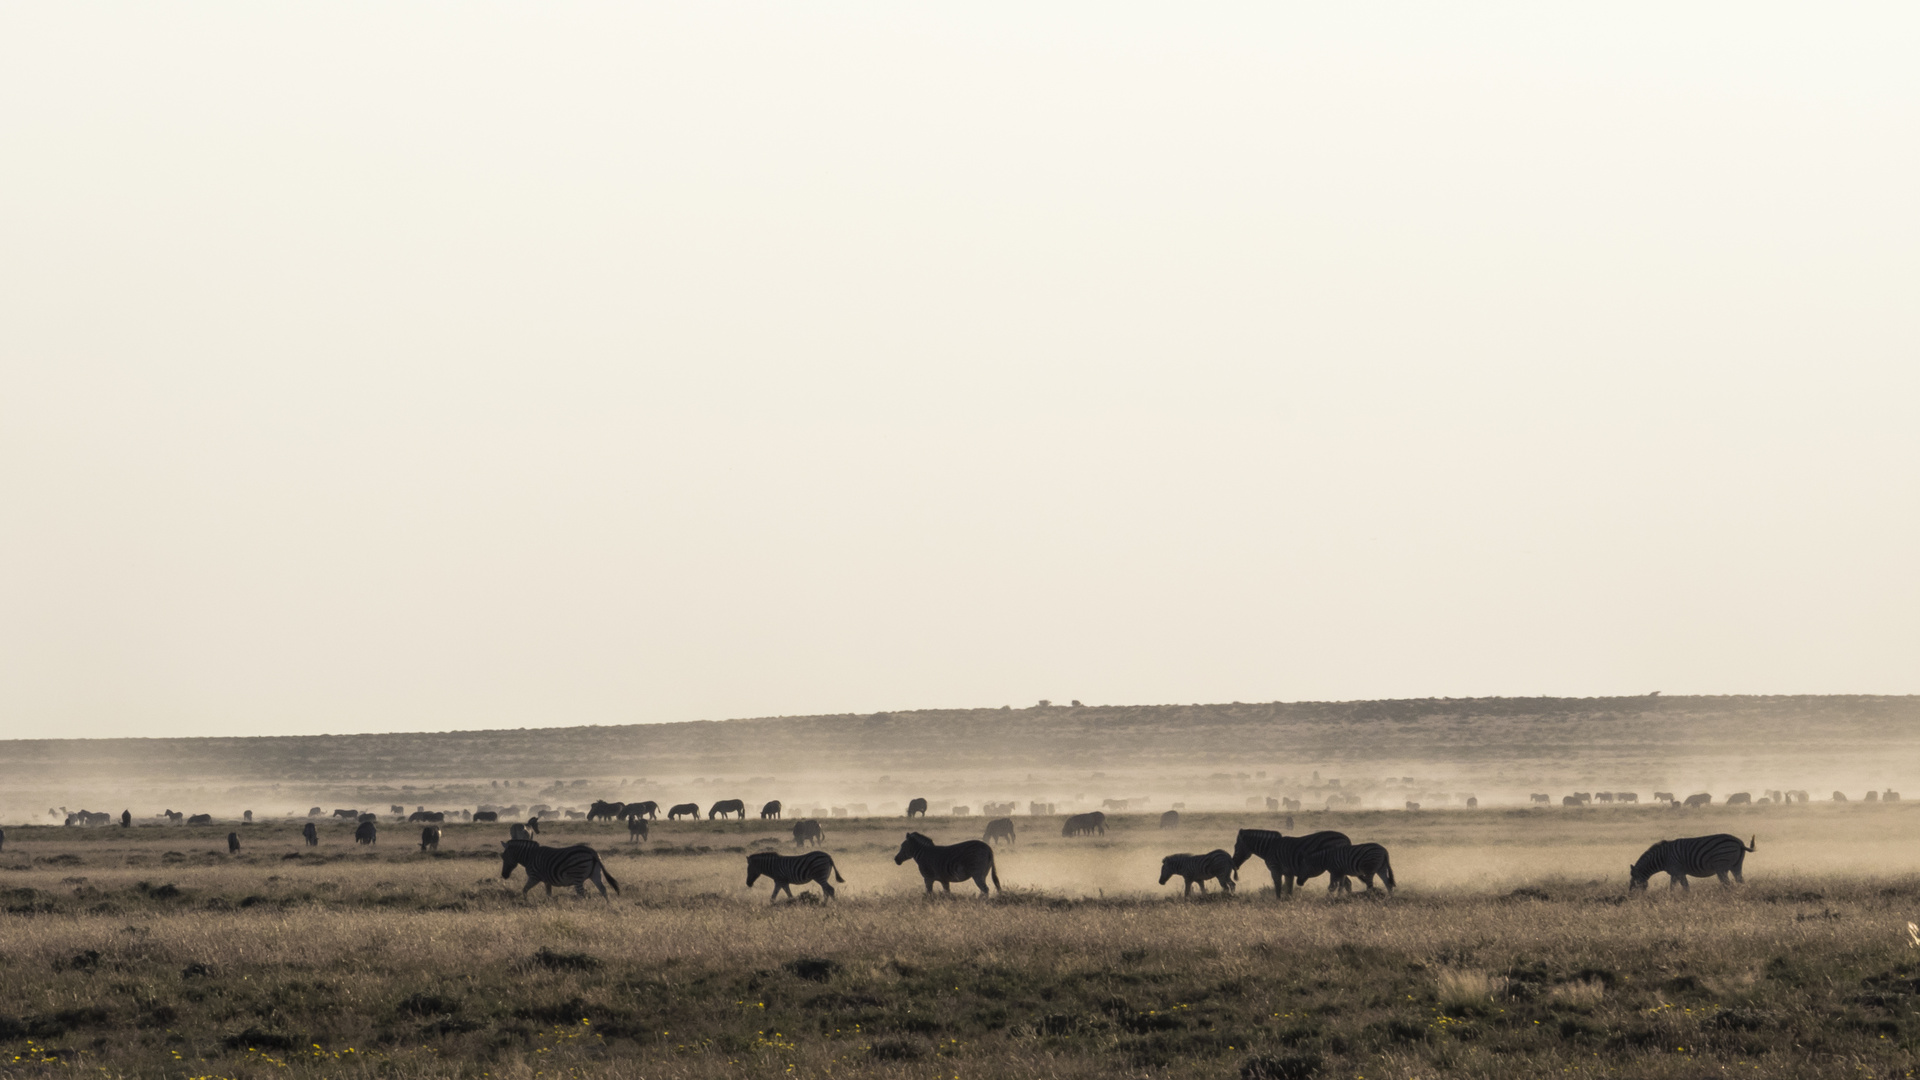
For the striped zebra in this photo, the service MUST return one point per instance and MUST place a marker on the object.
(312, 835)
(725, 807)
(968, 859)
(807, 831)
(686, 809)
(1692, 856)
(1215, 865)
(562, 866)
(1284, 855)
(771, 810)
(1085, 824)
(1000, 827)
(648, 809)
(813, 866)
(637, 829)
(1345, 861)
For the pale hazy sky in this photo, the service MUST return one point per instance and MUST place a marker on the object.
(411, 366)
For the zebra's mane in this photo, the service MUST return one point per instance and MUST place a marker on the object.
(918, 839)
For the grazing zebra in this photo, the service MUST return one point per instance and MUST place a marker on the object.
(1352, 860)
(603, 809)
(432, 817)
(771, 810)
(315, 812)
(808, 830)
(312, 834)
(363, 817)
(637, 829)
(486, 815)
(1085, 824)
(1627, 796)
(396, 809)
(648, 809)
(917, 806)
(999, 827)
(429, 838)
(1740, 797)
(1170, 819)
(1693, 856)
(562, 866)
(353, 815)
(1603, 796)
(1663, 796)
(685, 809)
(1873, 796)
(947, 864)
(728, 806)
(233, 843)
(197, 819)
(1284, 855)
(126, 818)
(1839, 796)
(1118, 806)
(814, 866)
(366, 833)
(1569, 800)
(1701, 799)
(1215, 865)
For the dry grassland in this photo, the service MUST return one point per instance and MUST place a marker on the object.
(1511, 950)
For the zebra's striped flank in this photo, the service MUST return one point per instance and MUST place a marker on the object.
(1216, 865)
(968, 859)
(813, 866)
(563, 866)
(1692, 856)
(1284, 855)
(1363, 861)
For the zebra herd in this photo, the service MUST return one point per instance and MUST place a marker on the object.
(1696, 800)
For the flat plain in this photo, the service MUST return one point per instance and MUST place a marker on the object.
(1511, 948)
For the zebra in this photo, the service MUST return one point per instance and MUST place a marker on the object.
(648, 809)
(315, 812)
(197, 819)
(1413, 806)
(1839, 796)
(728, 806)
(1702, 799)
(685, 809)
(369, 817)
(312, 834)
(1170, 819)
(1539, 798)
(429, 838)
(1085, 824)
(771, 810)
(1569, 800)
(429, 817)
(1739, 798)
(3, 839)
(351, 815)
(396, 810)
(486, 815)
(1284, 855)
(562, 866)
(1473, 803)
(517, 831)
(366, 833)
(126, 818)
(917, 806)
(637, 829)
(1000, 827)
(533, 825)
(947, 864)
(603, 809)
(1215, 865)
(808, 830)
(813, 866)
(1663, 796)
(1692, 856)
(1627, 796)
(1352, 860)
(233, 843)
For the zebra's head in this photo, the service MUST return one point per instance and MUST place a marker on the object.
(512, 853)
(913, 842)
(756, 865)
(1166, 868)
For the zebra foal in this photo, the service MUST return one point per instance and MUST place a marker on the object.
(563, 866)
(1692, 856)
(1215, 865)
(813, 866)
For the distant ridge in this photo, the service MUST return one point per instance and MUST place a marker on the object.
(1482, 733)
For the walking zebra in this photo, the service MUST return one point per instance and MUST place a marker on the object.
(562, 866)
(366, 833)
(771, 810)
(648, 809)
(1352, 860)
(637, 829)
(1285, 856)
(603, 809)
(728, 806)
(1000, 827)
(813, 866)
(808, 830)
(968, 859)
(1702, 799)
(1692, 856)
(233, 843)
(486, 815)
(429, 838)
(685, 809)
(1085, 824)
(1215, 865)
(312, 834)
(917, 806)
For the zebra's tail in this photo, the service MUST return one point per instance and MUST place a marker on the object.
(837, 877)
(1753, 843)
(994, 872)
(608, 874)
(1386, 875)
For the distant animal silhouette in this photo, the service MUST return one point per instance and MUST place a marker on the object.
(200, 819)
(648, 809)
(435, 817)
(637, 829)
(685, 809)
(1285, 856)
(1663, 796)
(1701, 799)
(808, 831)
(1693, 856)
(233, 843)
(1085, 824)
(968, 859)
(1740, 798)
(771, 810)
(1170, 819)
(351, 815)
(917, 806)
(366, 833)
(312, 834)
(1839, 796)
(486, 815)
(563, 866)
(429, 838)
(726, 807)
(998, 828)
(1540, 798)
(813, 866)
(602, 810)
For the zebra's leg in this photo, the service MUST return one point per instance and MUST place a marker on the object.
(1226, 883)
(1724, 883)
(947, 887)
(825, 886)
(1680, 880)
(530, 884)
(1737, 877)
(981, 880)
(929, 882)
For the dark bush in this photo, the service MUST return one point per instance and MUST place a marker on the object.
(1282, 1067)
(813, 969)
(559, 961)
